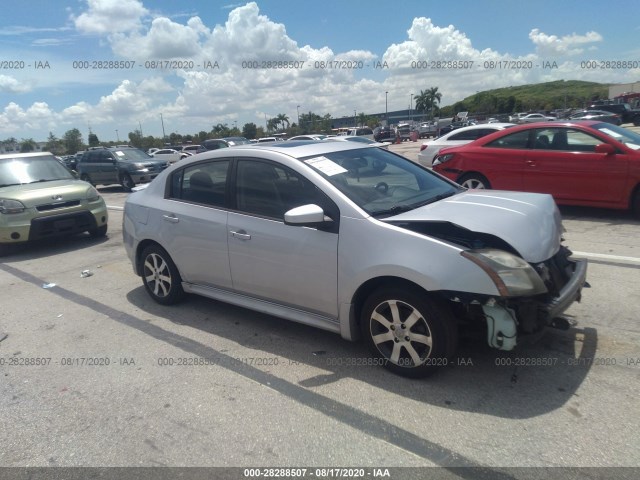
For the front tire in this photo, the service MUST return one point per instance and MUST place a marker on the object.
(413, 335)
(127, 182)
(474, 181)
(99, 232)
(635, 202)
(160, 276)
(86, 178)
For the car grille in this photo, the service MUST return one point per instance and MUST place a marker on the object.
(55, 225)
(52, 206)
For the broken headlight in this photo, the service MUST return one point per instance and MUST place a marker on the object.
(512, 275)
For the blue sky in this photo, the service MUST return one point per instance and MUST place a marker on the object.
(54, 34)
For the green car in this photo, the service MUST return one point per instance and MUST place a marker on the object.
(41, 198)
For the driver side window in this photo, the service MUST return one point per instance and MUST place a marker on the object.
(270, 190)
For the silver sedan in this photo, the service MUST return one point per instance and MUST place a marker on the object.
(355, 240)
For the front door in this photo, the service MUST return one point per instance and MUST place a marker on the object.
(291, 265)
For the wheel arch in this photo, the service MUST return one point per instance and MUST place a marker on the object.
(469, 173)
(366, 289)
(139, 249)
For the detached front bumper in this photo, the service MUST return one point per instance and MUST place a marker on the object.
(520, 320)
(572, 290)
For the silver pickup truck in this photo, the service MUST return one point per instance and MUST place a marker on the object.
(428, 129)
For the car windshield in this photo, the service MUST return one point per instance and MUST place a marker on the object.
(629, 138)
(132, 155)
(380, 182)
(22, 170)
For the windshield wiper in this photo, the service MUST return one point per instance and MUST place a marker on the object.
(397, 209)
(437, 198)
(43, 180)
(9, 184)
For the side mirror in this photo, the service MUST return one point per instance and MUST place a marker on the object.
(605, 148)
(306, 216)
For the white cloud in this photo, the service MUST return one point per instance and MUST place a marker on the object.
(195, 99)
(165, 39)
(14, 118)
(11, 85)
(552, 45)
(110, 16)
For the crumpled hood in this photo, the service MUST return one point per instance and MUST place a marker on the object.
(529, 222)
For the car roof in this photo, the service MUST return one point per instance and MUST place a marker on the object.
(25, 155)
(519, 128)
(296, 149)
(482, 125)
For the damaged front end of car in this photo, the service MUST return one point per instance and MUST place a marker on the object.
(531, 295)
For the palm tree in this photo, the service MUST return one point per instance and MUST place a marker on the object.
(427, 100)
(282, 118)
(272, 124)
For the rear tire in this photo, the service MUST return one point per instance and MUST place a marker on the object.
(160, 276)
(409, 333)
(474, 181)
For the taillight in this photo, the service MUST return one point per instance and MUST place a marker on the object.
(423, 146)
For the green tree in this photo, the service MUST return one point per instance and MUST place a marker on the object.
(202, 136)
(73, 141)
(249, 130)
(427, 100)
(272, 124)
(135, 138)
(93, 140)
(54, 145)
(221, 130)
(281, 119)
(27, 145)
(175, 138)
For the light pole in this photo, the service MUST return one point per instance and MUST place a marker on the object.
(298, 110)
(164, 135)
(117, 136)
(355, 119)
(386, 107)
(411, 108)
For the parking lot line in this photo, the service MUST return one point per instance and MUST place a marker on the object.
(611, 258)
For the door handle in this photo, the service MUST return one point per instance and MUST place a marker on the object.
(241, 234)
(170, 218)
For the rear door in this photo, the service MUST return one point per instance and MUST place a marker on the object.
(194, 223)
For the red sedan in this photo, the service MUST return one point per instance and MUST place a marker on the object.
(594, 164)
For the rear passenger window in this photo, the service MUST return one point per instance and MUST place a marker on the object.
(515, 140)
(204, 183)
